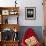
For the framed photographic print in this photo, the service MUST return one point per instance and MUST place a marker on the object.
(30, 13)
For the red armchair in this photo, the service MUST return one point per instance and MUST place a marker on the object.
(30, 35)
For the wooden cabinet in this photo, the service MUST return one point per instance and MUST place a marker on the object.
(7, 26)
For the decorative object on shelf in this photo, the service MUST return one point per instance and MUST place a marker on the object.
(5, 12)
(15, 34)
(30, 13)
(7, 34)
(15, 29)
(15, 3)
(6, 21)
(13, 12)
(15, 37)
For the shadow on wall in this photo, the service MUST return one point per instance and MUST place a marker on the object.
(37, 29)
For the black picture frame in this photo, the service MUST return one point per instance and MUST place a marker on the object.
(30, 13)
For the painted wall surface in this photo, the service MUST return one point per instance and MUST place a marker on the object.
(26, 3)
(39, 13)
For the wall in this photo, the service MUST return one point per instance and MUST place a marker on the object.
(27, 3)
(39, 13)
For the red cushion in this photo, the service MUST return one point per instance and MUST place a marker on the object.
(29, 33)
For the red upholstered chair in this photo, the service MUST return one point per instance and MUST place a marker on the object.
(29, 34)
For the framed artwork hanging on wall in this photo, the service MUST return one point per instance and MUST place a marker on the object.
(30, 13)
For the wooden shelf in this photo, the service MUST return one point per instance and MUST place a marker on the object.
(9, 10)
(11, 26)
(10, 43)
(3, 8)
(4, 13)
